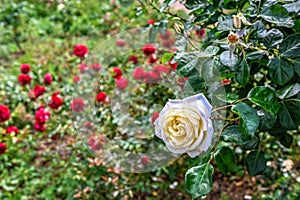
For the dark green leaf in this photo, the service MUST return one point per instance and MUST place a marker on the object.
(286, 140)
(228, 98)
(243, 73)
(183, 59)
(152, 34)
(285, 118)
(249, 120)
(255, 163)
(281, 70)
(199, 160)
(267, 120)
(260, 28)
(255, 55)
(188, 69)
(227, 61)
(209, 68)
(297, 66)
(277, 129)
(195, 4)
(225, 160)
(196, 84)
(289, 91)
(181, 44)
(290, 47)
(198, 180)
(278, 15)
(273, 38)
(265, 98)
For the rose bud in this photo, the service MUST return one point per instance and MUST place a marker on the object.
(12, 129)
(145, 160)
(138, 73)
(83, 68)
(150, 22)
(38, 90)
(133, 59)
(24, 79)
(77, 105)
(55, 101)
(117, 72)
(76, 79)
(25, 68)
(121, 83)
(2, 148)
(4, 113)
(154, 116)
(101, 97)
(48, 79)
(189, 118)
(96, 66)
(200, 32)
(80, 50)
(121, 43)
(149, 49)
(226, 81)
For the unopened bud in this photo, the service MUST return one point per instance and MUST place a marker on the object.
(237, 22)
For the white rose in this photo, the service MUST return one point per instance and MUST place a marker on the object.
(184, 125)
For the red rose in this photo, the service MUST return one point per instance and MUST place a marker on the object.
(101, 97)
(121, 83)
(152, 60)
(25, 68)
(2, 148)
(156, 71)
(39, 127)
(145, 160)
(12, 129)
(77, 105)
(200, 32)
(121, 43)
(24, 79)
(226, 81)
(96, 141)
(147, 77)
(154, 116)
(96, 66)
(41, 115)
(48, 79)
(117, 73)
(133, 59)
(76, 79)
(138, 73)
(80, 50)
(38, 90)
(83, 68)
(166, 35)
(149, 49)
(55, 101)
(151, 22)
(4, 113)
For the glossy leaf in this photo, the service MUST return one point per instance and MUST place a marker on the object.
(290, 47)
(297, 66)
(255, 163)
(243, 73)
(256, 54)
(227, 61)
(286, 140)
(273, 38)
(265, 98)
(249, 120)
(198, 180)
(286, 119)
(289, 91)
(267, 120)
(225, 160)
(281, 71)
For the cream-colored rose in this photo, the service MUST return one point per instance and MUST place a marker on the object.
(185, 126)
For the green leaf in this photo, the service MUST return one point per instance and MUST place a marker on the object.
(198, 180)
(289, 91)
(181, 44)
(233, 134)
(184, 59)
(227, 61)
(267, 120)
(225, 160)
(209, 68)
(286, 140)
(297, 66)
(293, 7)
(290, 46)
(285, 118)
(152, 34)
(273, 38)
(212, 50)
(260, 28)
(189, 69)
(255, 55)
(243, 73)
(265, 98)
(195, 4)
(281, 70)
(228, 98)
(249, 120)
(255, 163)
(199, 160)
(196, 84)
(167, 57)
(278, 15)
(277, 129)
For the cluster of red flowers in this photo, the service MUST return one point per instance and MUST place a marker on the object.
(4, 116)
(77, 105)
(41, 116)
(121, 82)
